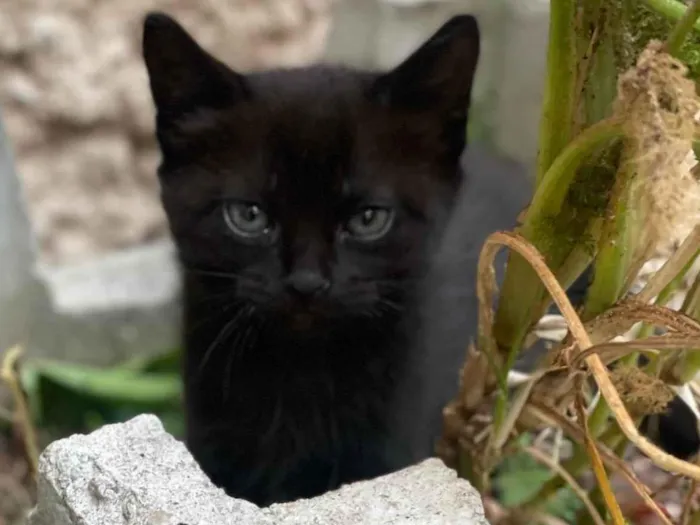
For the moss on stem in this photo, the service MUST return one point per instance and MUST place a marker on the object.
(554, 229)
(617, 243)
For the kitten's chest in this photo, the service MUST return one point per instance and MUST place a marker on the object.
(341, 389)
(305, 399)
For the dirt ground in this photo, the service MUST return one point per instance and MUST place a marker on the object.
(17, 491)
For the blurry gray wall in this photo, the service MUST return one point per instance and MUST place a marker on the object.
(21, 292)
(508, 90)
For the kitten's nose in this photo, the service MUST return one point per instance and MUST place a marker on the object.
(307, 283)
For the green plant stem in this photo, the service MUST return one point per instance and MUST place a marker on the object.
(610, 268)
(671, 9)
(595, 31)
(522, 290)
(555, 185)
(616, 245)
(683, 27)
(558, 102)
(598, 417)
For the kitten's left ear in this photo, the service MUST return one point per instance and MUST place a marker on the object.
(437, 76)
(182, 75)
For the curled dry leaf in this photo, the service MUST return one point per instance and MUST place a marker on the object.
(615, 350)
(600, 373)
(598, 369)
(621, 317)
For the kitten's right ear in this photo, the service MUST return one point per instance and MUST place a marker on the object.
(182, 75)
(439, 74)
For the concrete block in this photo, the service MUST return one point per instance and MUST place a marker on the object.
(136, 474)
(115, 307)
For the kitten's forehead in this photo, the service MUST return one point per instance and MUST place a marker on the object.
(310, 113)
(313, 86)
(319, 122)
(309, 127)
(312, 137)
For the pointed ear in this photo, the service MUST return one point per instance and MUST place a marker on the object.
(439, 75)
(182, 75)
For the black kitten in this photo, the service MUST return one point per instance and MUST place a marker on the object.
(305, 204)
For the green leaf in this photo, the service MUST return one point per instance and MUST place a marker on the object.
(111, 384)
(519, 486)
(565, 505)
(166, 362)
(520, 477)
(68, 398)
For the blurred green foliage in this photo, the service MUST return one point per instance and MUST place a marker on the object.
(67, 398)
(647, 24)
(519, 477)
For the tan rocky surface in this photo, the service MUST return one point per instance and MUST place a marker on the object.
(74, 97)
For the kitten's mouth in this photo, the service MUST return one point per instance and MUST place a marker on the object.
(304, 317)
(302, 321)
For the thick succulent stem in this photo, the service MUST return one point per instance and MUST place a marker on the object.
(558, 103)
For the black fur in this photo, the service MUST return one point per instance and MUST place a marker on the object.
(297, 340)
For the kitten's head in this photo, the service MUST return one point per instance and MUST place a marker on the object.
(315, 190)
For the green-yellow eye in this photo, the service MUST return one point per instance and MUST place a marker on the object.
(371, 223)
(246, 219)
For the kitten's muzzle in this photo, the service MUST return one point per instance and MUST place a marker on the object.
(307, 284)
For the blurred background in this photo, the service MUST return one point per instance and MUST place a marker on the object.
(88, 285)
(79, 205)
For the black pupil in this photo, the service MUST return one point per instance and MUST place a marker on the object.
(367, 217)
(251, 213)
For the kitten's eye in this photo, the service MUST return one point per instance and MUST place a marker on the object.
(370, 224)
(246, 219)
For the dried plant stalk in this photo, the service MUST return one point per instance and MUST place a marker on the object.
(600, 372)
(8, 374)
(597, 464)
(578, 490)
(550, 417)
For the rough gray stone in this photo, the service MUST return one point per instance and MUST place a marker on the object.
(129, 474)
(136, 474)
(426, 494)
